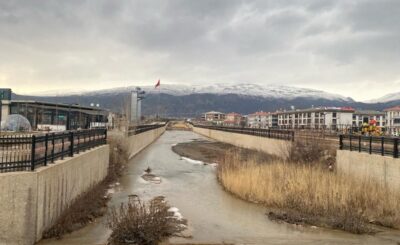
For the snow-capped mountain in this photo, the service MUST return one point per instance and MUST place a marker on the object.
(247, 89)
(193, 100)
(386, 98)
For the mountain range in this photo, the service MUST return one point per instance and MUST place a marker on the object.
(189, 101)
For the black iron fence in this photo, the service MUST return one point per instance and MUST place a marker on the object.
(268, 133)
(143, 128)
(385, 146)
(26, 152)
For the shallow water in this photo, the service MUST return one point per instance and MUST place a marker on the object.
(214, 216)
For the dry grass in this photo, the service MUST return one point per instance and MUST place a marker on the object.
(143, 223)
(312, 192)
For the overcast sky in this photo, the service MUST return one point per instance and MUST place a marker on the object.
(346, 47)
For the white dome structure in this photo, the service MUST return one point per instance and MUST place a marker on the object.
(17, 123)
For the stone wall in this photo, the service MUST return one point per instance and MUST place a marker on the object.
(271, 146)
(32, 201)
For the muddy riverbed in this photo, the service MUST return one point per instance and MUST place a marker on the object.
(214, 216)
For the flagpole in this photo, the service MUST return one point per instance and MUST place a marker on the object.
(158, 107)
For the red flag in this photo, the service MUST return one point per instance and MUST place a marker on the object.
(158, 84)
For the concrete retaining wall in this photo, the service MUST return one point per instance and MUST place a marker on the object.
(138, 142)
(135, 143)
(364, 165)
(268, 145)
(32, 201)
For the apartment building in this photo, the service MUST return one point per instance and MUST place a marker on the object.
(316, 118)
(393, 120)
(262, 119)
(214, 117)
(234, 119)
(365, 116)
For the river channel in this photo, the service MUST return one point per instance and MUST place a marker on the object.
(214, 215)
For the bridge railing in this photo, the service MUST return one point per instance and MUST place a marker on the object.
(143, 128)
(27, 152)
(385, 146)
(268, 133)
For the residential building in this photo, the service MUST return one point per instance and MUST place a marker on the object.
(234, 119)
(214, 117)
(366, 116)
(262, 119)
(257, 119)
(316, 118)
(393, 120)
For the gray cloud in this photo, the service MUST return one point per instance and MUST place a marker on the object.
(338, 46)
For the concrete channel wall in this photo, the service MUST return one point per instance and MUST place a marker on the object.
(135, 143)
(140, 141)
(271, 146)
(31, 202)
(363, 165)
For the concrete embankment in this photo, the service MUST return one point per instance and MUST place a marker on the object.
(384, 169)
(32, 201)
(271, 146)
(135, 143)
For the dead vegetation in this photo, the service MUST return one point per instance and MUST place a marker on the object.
(92, 204)
(138, 222)
(304, 191)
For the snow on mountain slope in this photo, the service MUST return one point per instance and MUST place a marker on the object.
(266, 91)
(386, 98)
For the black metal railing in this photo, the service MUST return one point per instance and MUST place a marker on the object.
(385, 146)
(268, 133)
(143, 128)
(27, 152)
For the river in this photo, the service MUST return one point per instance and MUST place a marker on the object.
(214, 215)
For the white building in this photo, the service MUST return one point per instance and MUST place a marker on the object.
(262, 119)
(258, 119)
(393, 120)
(365, 116)
(214, 117)
(316, 118)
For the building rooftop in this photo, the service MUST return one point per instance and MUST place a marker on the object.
(234, 114)
(395, 108)
(320, 109)
(60, 105)
(214, 112)
(369, 112)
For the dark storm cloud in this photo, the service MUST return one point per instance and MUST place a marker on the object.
(99, 43)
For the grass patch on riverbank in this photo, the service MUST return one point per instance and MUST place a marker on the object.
(309, 193)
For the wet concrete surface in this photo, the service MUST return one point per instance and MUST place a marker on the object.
(214, 215)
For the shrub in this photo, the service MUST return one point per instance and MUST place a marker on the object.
(138, 222)
(310, 150)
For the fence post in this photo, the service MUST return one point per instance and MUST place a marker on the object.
(383, 146)
(33, 152)
(52, 148)
(46, 146)
(396, 148)
(71, 147)
(370, 144)
(359, 143)
(351, 146)
(341, 142)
